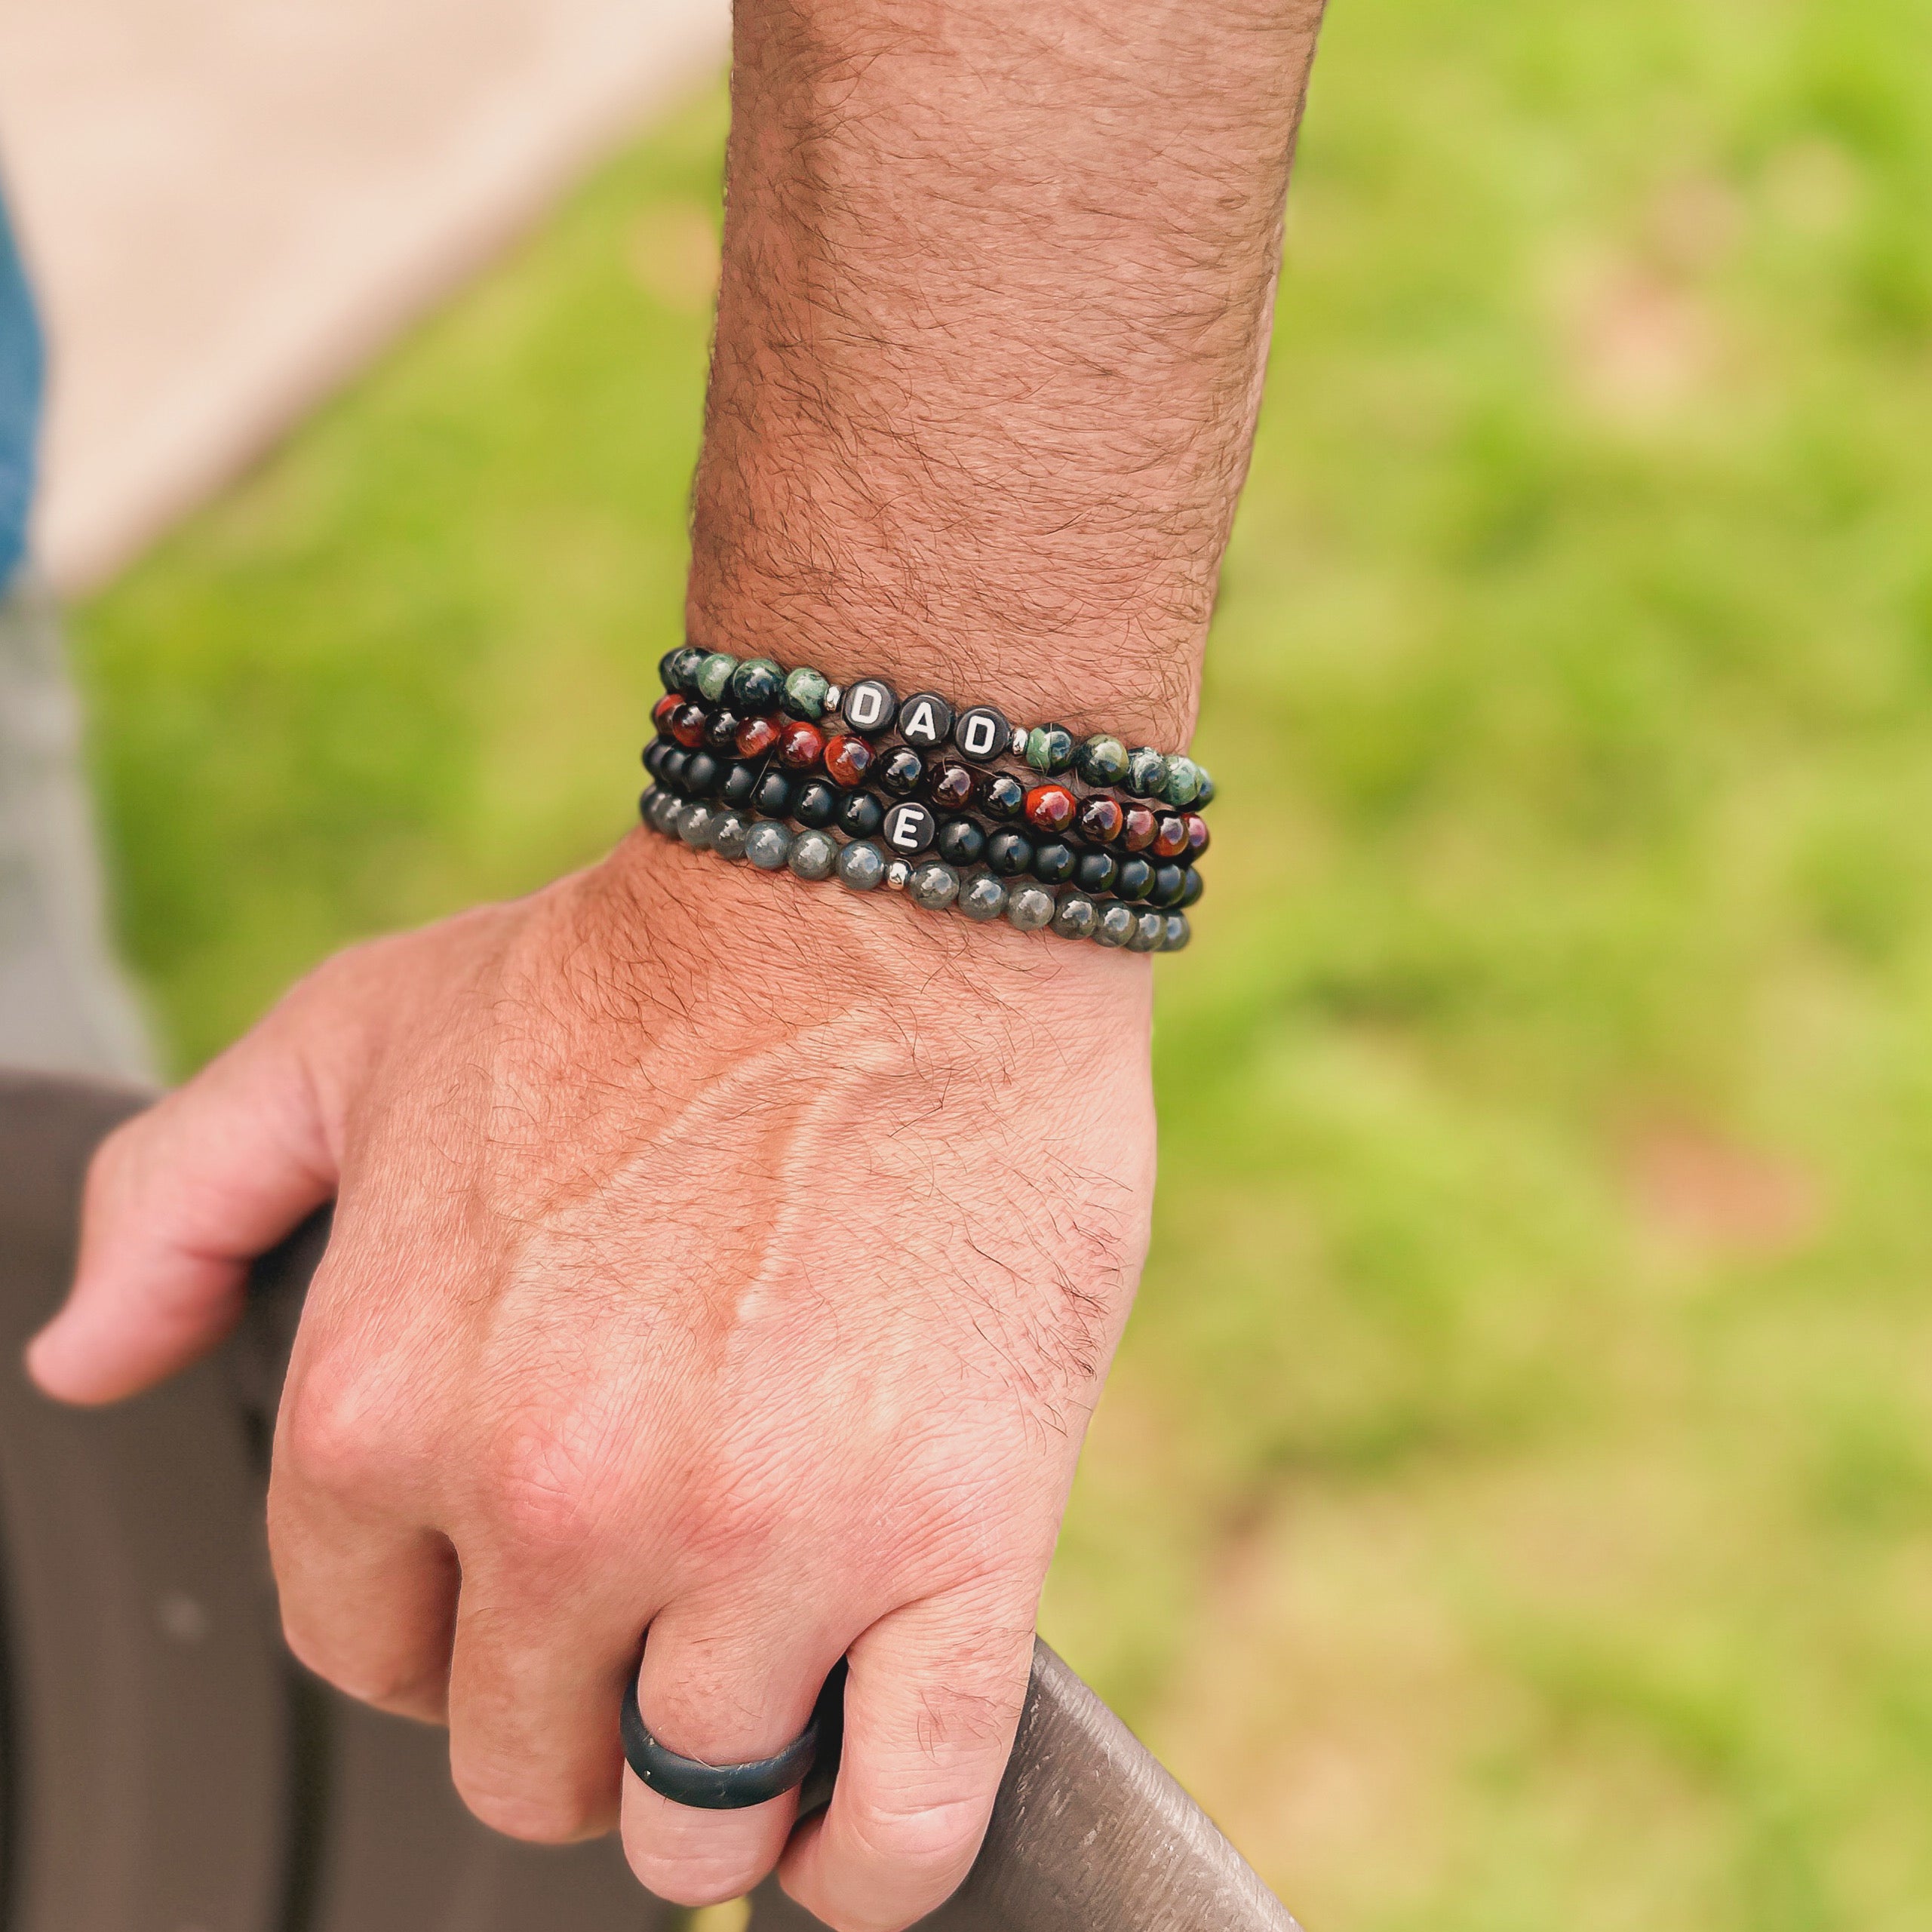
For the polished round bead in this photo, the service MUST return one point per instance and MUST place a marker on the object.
(1134, 878)
(982, 897)
(897, 874)
(861, 815)
(870, 705)
(680, 670)
(1002, 795)
(665, 710)
(756, 685)
(933, 886)
(801, 745)
(1183, 783)
(740, 781)
(1192, 890)
(1178, 932)
(926, 719)
(1075, 916)
(806, 693)
(981, 733)
(1170, 881)
(902, 771)
(768, 845)
(1197, 834)
(670, 769)
(1009, 853)
(687, 725)
(1029, 907)
(909, 827)
(1053, 861)
(1150, 928)
(714, 675)
(655, 753)
(1205, 796)
(772, 796)
(949, 786)
(1050, 808)
(758, 736)
(729, 832)
(721, 731)
(1138, 827)
(1170, 835)
(1049, 748)
(695, 824)
(1147, 773)
(1096, 871)
(1117, 926)
(654, 806)
(817, 803)
(849, 757)
(1101, 759)
(812, 855)
(861, 866)
(1100, 819)
(960, 841)
(703, 774)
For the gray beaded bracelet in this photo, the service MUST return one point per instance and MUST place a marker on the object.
(860, 866)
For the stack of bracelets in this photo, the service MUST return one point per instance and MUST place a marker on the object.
(788, 771)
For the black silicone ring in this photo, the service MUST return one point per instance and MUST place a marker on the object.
(718, 1787)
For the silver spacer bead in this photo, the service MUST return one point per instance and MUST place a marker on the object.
(834, 696)
(897, 874)
(1019, 746)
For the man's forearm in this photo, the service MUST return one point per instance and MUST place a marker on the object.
(994, 311)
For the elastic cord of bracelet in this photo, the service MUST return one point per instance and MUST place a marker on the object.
(860, 866)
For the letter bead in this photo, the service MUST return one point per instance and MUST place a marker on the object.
(981, 733)
(870, 705)
(926, 719)
(909, 827)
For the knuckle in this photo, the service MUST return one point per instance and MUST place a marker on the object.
(550, 1476)
(334, 1437)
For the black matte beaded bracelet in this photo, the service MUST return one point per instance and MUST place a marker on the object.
(760, 686)
(860, 866)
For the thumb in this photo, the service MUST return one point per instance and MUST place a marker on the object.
(179, 1201)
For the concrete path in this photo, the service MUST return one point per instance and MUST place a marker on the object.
(230, 205)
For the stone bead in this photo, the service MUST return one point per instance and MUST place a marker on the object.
(729, 832)
(949, 786)
(817, 804)
(680, 669)
(1002, 795)
(1178, 932)
(768, 845)
(806, 691)
(757, 684)
(756, 736)
(910, 828)
(721, 731)
(670, 769)
(982, 897)
(1096, 871)
(870, 705)
(655, 754)
(1170, 835)
(1009, 853)
(801, 745)
(849, 757)
(1049, 748)
(902, 771)
(694, 824)
(1192, 890)
(1197, 834)
(1053, 862)
(666, 708)
(741, 780)
(1150, 928)
(933, 886)
(1170, 881)
(1101, 759)
(714, 677)
(1134, 877)
(812, 855)
(1076, 917)
(926, 719)
(1029, 907)
(1050, 808)
(655, 808)
(1138, 827)
(703, 774)
(981, 733)
(1116, 926)
(1147, 773)
(861, 815)
(1204, 797)
(897, 874)
(960, 841)
(771, 797)
(1183, 783)
(861, 866)
(1100, 819)
(687, 725)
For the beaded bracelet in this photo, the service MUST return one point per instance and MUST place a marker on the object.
(760, 686)
(861, 866)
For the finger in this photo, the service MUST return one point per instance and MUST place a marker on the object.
(725, 1691)
(179, 1201)
(931, 1707)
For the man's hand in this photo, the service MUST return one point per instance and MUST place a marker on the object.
(714, 1256)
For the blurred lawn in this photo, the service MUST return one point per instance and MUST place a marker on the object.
(1514, 1507)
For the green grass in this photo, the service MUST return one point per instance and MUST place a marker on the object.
(1514, 1506)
